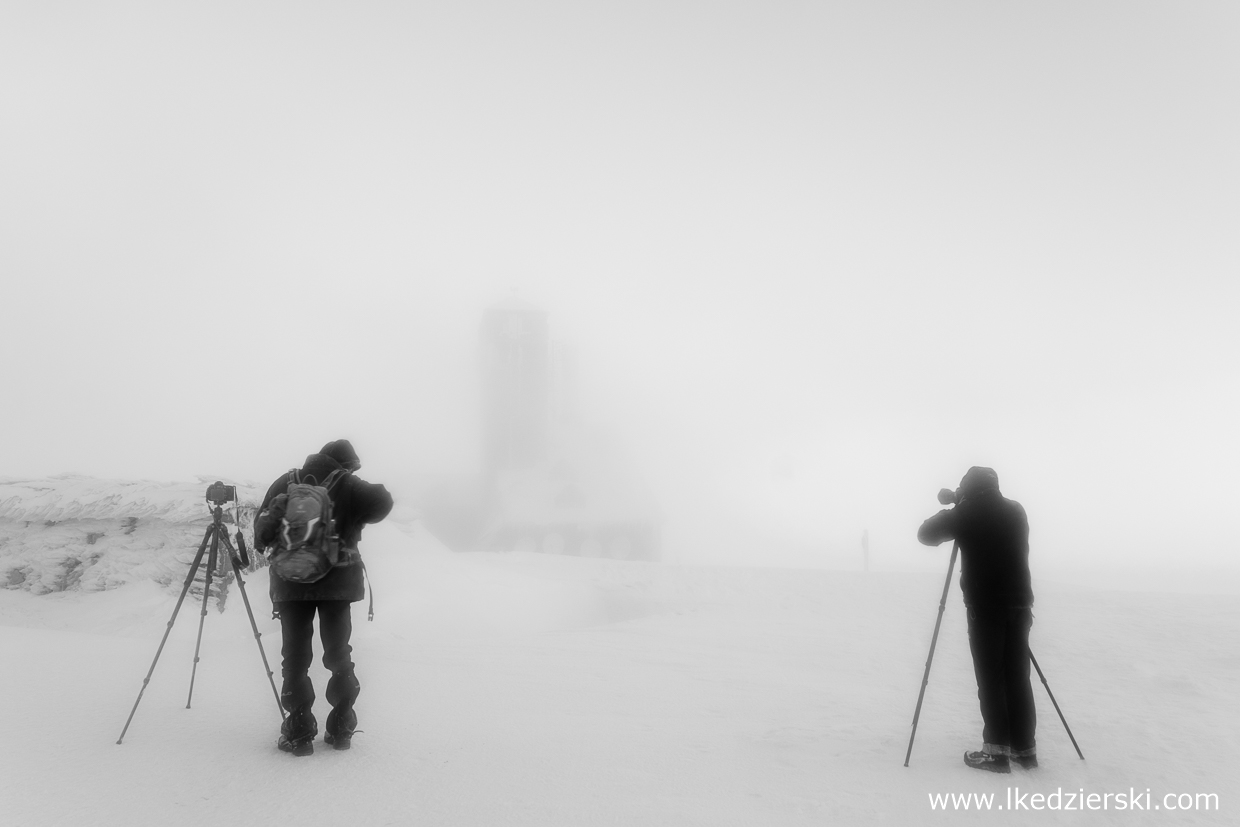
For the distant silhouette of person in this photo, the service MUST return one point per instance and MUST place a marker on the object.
(993, 533)
(355, 503)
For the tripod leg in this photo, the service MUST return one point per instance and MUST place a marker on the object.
(193, 570)
(236, 565)
(925, 679)
(1056, 704)
(206, 595)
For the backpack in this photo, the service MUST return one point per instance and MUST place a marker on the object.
(307, 546)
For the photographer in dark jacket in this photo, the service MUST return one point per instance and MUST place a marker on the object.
(993, 534)
(355, 503)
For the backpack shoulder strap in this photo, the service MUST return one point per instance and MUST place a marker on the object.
(294, 476)
(332, 479)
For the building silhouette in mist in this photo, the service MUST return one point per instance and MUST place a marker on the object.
(549, 484)
(516, 384)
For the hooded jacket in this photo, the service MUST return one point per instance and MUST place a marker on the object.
(993, 533)
(355, 503)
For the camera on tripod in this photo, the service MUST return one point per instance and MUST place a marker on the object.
(219, 493)
(221, 551)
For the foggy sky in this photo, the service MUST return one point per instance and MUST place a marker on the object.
(816, 259)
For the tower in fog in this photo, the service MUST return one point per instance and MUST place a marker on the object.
(550, 484)
(515, 386)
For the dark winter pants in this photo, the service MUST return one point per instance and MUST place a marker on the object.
(335, 628)
(999, 641)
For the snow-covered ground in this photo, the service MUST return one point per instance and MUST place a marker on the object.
(529, 689)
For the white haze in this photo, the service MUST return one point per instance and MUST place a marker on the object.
(815, 260)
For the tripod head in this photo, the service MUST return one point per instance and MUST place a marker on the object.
(218, 493)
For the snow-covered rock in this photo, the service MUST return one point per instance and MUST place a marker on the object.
(75, 533)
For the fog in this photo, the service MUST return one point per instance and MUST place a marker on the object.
(814, 260)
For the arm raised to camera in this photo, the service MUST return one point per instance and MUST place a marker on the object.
(938, 529)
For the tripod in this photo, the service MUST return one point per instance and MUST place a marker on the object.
(925, 679)
(217, 495)
(930, 659)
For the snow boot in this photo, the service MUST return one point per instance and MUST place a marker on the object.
(297, 732)
(987, 761)
(341, 724)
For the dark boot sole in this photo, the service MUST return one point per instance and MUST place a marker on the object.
(338, 743)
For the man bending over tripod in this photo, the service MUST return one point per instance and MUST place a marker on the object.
(993, 535)
(355, 503)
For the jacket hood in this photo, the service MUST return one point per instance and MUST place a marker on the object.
(342, 451)
(976, 480)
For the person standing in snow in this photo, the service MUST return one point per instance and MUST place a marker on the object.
(993, 535)
(355, 503)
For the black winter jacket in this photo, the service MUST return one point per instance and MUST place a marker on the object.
(355, 503)
(993, 533)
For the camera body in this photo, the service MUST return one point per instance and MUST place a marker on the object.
(219, 493)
